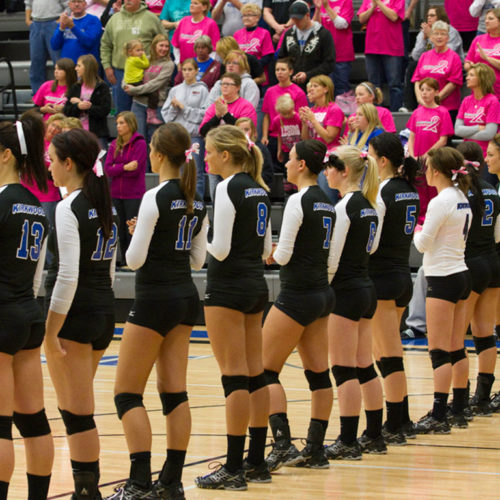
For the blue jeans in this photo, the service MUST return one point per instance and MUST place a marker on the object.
(340, 77)
(332, 194)
(145, 129)
(199, 159)
(40, 34)
(380, 69)
(123, 101)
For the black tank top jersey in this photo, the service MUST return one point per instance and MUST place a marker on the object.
(398, 207)
(166, 272)
(481, 236)
(353, 239)
(23, 229)
(307, 267)
(78, 235)
(241, 221)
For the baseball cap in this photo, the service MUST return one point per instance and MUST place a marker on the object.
(298, 9)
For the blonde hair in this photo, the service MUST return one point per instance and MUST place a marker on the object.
(56, 117)
(131, 121)
(225, 45)
(284, 103)
(378, 96)
(251, 8)
(358, 138)
(324, 81)
(128, 46)
(485, 76)
(232, 139)
(361, 171)
(206, 3)
(72, 122)
(252, 126)
(239, 55)
(152, 50)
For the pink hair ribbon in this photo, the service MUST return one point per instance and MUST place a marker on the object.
(251, 144)
(474, 164)
(195, 148)
(461, 170)
(97, 168)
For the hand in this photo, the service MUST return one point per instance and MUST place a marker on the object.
(28, 20)
(306, 114)
(270, 260)
(418, 228)
(351, 123)
(426, 30)
(74, 100)
(52, 346)
(265, 140)
(126, 88)
(318, 3)
(110, 75)
(482, 53)
(117, 5)
(343, 140)
(131, 166)
(220, 107)
(279, 29)
(47, 109)
(131, 223)
(70, 23)
(84, 105)
(58, 108)
(300, 77)
(280, 156)
(177, 103)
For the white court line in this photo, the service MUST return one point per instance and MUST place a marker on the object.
(417, 469)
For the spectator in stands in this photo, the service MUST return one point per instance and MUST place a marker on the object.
(51, 96)
(287, 126)
(225, 45)
(276, 15)
(41, 17)
(485, 48)
(77, 34)
(173, 11)
(308, 44)
(191, 27)
(156, 79)
(71, 123)
(336, 16)
(155, 6)
(384, 46)
(133, 21)
(230, 12)
(367, 126)
(461, 20)
(96, 7)
(89, 99)
(479, 8)
(444, 65)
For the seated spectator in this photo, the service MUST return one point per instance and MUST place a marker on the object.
(51, 96)
(156, 79)
(384, 45)
(276, 15)
(367, 127)
(336, 16)
(461, 20)
(71, 123)
(173, 11)
(484, 48)
(479, 9)
(308, 44)
(229, 11)
(89, 99)
(77, 34)
(479, 113)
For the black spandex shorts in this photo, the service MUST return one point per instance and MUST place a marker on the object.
(94, 328)
(356, 303)
(247, 304)
(452, 288)
(162, 316)
(394, 286)
(306, 307)
(21, 326)
(484, 272)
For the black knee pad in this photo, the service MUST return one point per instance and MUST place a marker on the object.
(232, 383)
(32, 424)
(171, 400)
(318, 380)
(342, 374)
(257, 382)
(439, 358)
(483, 343)
(6, 427)
(457, 355)
(366, 374)
(272, 377)
(76, 423)
(125, 401)
(391, 365)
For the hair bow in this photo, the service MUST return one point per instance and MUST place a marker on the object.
(251, 144)
(97, 168)
(461, 170)
(474, 164)
(363, 154)
(195, 148)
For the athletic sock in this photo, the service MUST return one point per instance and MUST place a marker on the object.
(348, 429)
(172, 468)
(394, 412)
(87, 467)
(140, 469)
(439, 407)
(324, 423)
(405, 411)
(459, 400)
(374, 423)
(4, 488)
(38, 486)
(235, 448)
(257, 445)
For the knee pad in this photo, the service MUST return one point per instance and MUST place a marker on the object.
(32, 424)
(457, 355)
(125, 401)
(77, 423)
(171, 400)
(366, 374)
(483, 343)
(391, 365)
(257, 382)
(318, 380)
(6, 427)
(342, 374)
(272, 377)
(439, 358)
(232, 383)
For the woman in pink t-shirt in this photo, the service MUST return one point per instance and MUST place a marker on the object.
(486, 48)
(51, 96)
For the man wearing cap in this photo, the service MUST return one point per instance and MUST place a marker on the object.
(308, 44)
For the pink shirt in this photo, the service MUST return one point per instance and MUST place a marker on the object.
(239, 109)
(288, 129)
(428, 125)
(491, 46)
(445, 68)
(85, 95)
(188, 31)
(382, 35)
(474, 112)
(272, 94)
(342, 38)
(460, 18)
(328, 116)
(155, 6)
(45, 96)
(256, 42)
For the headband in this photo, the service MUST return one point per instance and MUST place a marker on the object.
(367, 87)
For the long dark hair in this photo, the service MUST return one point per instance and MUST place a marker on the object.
(30, 165)
(82, 147)
(447, 159)
(68, 66)
(473, 153)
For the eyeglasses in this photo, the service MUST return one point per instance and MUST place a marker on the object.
(249, 15)
(226, 84)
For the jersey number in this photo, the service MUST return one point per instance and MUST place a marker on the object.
(487, 219)
(109, 248)
(261, 219)
(411, 219)
(180, 244)
(327, 224)
(371, 237)
(25, 250)
(466, 227)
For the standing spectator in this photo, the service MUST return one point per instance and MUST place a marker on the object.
(155, 6)
(276, 15)
(77, 34)
(173, 11)
(133, 21)
(336, 16)
(409, 8)
(229, 10)
(287, 125)
(41, 17)
(479, 8)
(308, 44)
(384, 46)
(461, 19)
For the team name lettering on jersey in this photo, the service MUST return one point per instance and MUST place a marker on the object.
(368, 212)
(462, 206)
(406, 196)
(487, 192)
(93, 213)
(323, 206)
(21, 208)
(251, 192)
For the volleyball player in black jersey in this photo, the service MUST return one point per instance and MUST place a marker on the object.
(80, 320)
(355, 175)
(397, 207)
(169, 238)
(299, 316)
(23, 231)
(235, 299)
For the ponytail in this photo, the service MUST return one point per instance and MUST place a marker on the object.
(253, 166)
(370, 185)
(474, 162)
(188, 184)
(450, 163)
